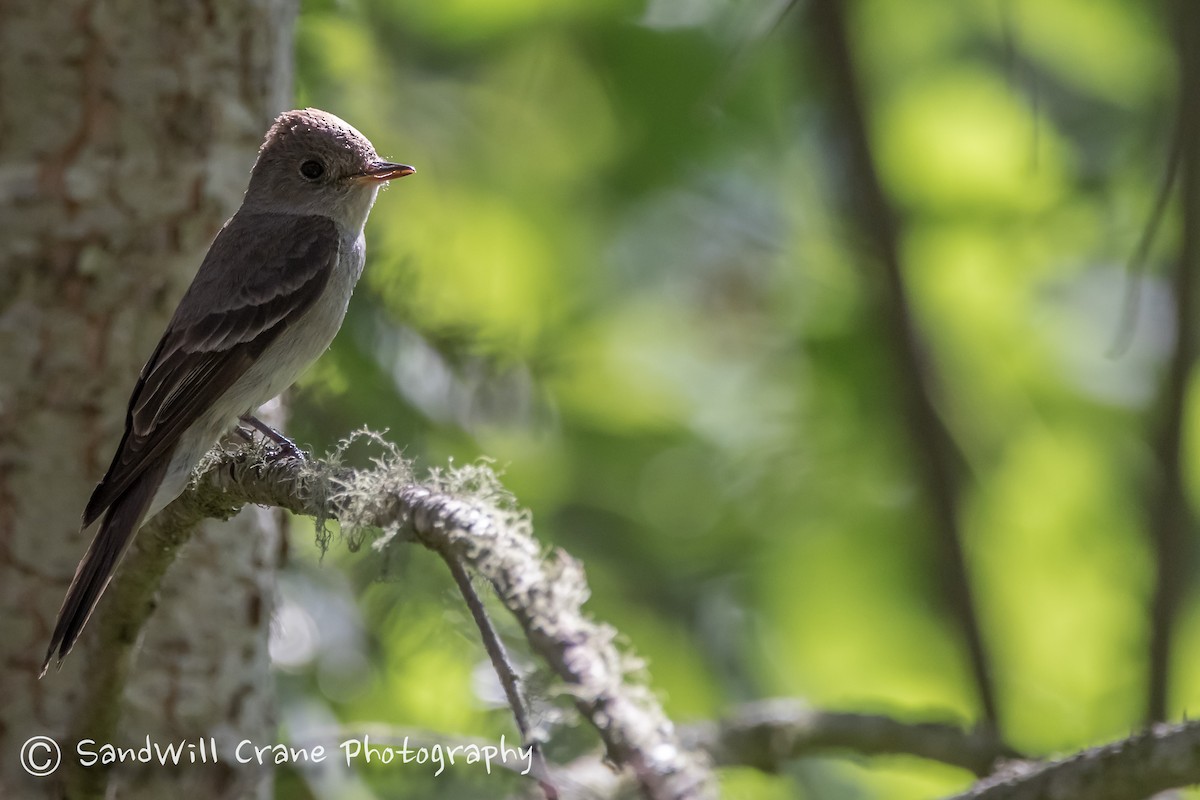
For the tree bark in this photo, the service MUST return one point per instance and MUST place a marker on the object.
(127, 130)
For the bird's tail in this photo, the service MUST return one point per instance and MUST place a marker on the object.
(120, 522)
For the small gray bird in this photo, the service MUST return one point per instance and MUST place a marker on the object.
(266, 302)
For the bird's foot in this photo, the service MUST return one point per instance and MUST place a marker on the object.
(283, 446)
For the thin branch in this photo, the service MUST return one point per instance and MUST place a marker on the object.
(938, 462)
(505, 671)
(476, 527)
(769, 733)
(1164, 757)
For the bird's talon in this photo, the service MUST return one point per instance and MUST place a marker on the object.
(285, 450)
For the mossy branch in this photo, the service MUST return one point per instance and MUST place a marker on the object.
(464, 515)
(1144, 764)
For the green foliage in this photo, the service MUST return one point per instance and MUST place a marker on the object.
(623, 271)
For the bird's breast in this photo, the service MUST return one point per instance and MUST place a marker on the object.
(305, 338)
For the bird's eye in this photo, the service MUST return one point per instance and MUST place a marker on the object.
(312, 170)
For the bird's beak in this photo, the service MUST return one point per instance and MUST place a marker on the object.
(382, 171)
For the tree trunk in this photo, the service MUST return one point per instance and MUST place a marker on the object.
(127, 130)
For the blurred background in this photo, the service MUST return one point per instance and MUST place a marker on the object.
(634, 270)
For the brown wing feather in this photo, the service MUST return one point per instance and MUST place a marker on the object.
(265, 283)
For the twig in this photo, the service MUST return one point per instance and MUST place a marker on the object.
(505, 671)
(769, 733)
(1164, 757)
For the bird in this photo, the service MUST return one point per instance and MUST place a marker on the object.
(266, 301)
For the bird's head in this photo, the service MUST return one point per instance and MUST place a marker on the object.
(312, 162)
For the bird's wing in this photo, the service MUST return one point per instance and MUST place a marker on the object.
(261, 273)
